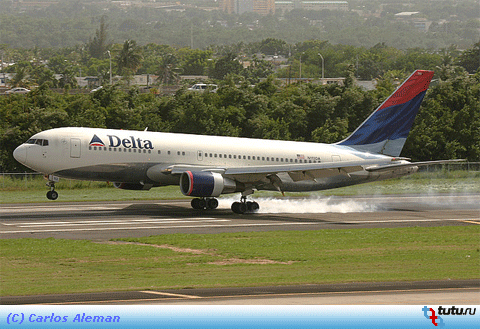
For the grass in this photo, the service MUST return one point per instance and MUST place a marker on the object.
(47, 266)
(33, 189)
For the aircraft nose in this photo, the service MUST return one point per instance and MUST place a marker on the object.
(20, 154)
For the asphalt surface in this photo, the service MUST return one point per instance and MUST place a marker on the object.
(466, 292)
(100, 221)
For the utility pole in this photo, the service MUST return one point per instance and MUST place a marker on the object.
(110, 57)
(323, 68)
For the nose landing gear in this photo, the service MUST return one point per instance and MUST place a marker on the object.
(52, 194)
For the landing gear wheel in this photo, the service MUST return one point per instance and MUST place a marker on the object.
(252, 206)
(198, 203)
(212, 203)
(239, 207)
(52, 195)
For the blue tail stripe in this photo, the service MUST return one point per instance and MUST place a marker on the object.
(390, 123)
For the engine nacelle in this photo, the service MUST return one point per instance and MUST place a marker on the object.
(133, 186)
(206, 184)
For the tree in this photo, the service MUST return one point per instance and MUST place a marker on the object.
(470, 58)
(226, 65)
(196, 61)
(129, 59)
(99, 45)
(166, 71)
(20, 79)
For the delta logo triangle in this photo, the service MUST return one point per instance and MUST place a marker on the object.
(96, 141)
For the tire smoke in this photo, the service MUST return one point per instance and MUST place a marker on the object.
(306, 205)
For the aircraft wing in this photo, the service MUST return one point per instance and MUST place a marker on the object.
(305, 171)
(297, 171)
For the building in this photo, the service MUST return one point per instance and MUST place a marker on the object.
(413, 18)
(284, 6)
(262, 7)
(228, 6)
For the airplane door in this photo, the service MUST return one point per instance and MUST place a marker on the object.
(336, 158)
(75, 147)
(199, 155)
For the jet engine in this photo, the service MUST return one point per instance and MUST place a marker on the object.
(133, 186)
(206, 184)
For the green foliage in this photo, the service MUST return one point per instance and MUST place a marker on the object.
(49, 266)
(228, 64)
(448, 125)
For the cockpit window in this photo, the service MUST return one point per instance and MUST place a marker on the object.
(41, 142)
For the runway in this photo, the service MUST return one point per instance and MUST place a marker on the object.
(453, 292)
(98, 221)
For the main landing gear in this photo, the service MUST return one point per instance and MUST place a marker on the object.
(245, 206)
(52, 194)
(204, 203)
(241, 207)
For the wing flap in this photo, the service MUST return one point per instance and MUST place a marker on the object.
(384, 168)
(323, 173)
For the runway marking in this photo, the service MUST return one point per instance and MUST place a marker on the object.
(154, 227)
(119, 222)
(170, 294)
(471, 221)
(56, 208)
(410, 220)
(174, 221)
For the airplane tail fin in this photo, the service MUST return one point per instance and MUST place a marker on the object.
(386, 129)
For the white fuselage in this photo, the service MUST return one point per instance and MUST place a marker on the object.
(143, 156)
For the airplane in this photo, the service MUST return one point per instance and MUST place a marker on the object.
(204, 167)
